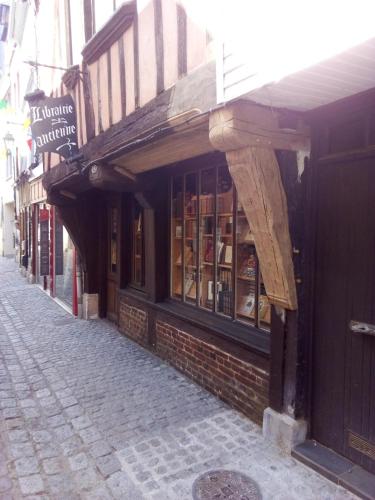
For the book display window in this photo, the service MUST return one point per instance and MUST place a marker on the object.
(214, 264)
(137, 245)
(113, 240)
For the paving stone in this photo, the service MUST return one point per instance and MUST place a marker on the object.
(108, 465)
(31, 484)
(63, 433)
(78, 462)
(89, 435)
(18, 436)
(41, 436)
(26, 466)
(100, 448)
(52, 465)
(56, 420)
(81, 422)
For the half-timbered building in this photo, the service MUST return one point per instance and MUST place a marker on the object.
(223, 220)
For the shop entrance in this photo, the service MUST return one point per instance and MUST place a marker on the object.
(343, 399)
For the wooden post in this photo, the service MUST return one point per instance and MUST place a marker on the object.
(74, 291)
(52, 251)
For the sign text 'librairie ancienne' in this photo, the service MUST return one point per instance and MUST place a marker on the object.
(54, 126)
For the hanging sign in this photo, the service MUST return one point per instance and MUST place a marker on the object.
(54, 126)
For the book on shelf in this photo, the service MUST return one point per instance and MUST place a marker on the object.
(189, 255)
(207, 225)
(228, 254)
(220, 248)
(208, 250)
(225, 202)
(207, 204)
(178, 231)
(224, 303)
(179, 259)
(190, 229)
(247, 269)
(190, 288)
(246, 305)
(191, 205)
(210, 290)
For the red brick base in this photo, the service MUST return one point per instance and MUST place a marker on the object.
(232, 373)
(133, 322)
(235, 381)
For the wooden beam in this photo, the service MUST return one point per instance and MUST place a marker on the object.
(245, 124)
(256, 175)
(121, 54)
(181, 40)
(159, 45)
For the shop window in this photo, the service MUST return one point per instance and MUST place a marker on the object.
(137, 245)
(214, 264)
(113, 240)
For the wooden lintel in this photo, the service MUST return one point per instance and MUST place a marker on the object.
(68, 194)
(256, 175)
(244, 124)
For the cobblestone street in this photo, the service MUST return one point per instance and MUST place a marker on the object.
(88, 414)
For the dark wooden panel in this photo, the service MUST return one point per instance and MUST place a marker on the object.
(345, 290)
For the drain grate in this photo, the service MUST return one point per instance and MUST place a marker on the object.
(225, 485)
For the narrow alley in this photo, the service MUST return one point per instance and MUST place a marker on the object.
(88, 414)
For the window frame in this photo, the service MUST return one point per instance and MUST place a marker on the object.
(253, 323)
(132, 282)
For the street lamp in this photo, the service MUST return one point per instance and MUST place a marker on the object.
(8, 141)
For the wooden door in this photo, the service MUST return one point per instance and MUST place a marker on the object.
(343, 399)
(113, 261)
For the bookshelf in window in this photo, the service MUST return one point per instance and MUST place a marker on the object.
(214, 264)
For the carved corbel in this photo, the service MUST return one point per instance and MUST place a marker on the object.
(249, 134)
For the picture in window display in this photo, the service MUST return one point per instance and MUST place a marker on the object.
(213, 250)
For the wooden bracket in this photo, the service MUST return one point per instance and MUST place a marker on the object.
(248, 134)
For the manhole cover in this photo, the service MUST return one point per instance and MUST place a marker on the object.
(225, 484)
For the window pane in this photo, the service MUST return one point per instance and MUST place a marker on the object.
(224, 241)
(113, 249)
(190, 244)
(207, 220)
(176, 238)
(246, 269)
(264, 307)
(77, 29)
(103, 11)
(138, 255)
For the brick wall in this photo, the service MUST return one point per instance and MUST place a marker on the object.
(133, 322)
(234, 380)
(233, 373)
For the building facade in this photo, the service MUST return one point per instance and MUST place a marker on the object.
(208, 231)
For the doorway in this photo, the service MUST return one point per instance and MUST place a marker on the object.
(343, 381)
